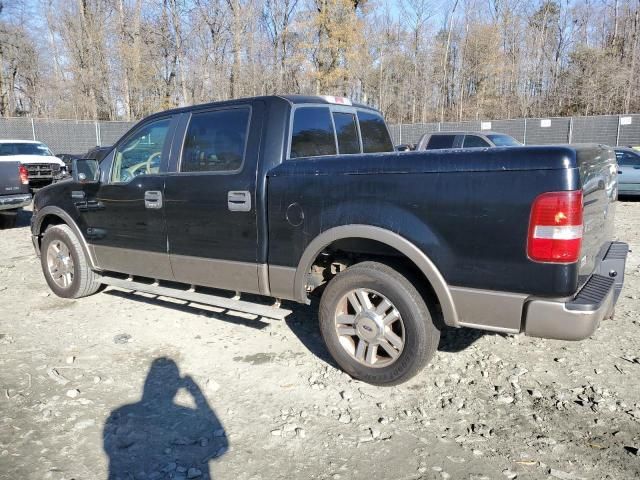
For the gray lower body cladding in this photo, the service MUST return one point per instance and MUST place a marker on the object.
(568, 318)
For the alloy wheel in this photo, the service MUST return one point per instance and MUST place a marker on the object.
(370, 328)
(60, 263)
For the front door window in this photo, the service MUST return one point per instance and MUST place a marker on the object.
(141, 153)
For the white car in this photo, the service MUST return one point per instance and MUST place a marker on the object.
(41, 164)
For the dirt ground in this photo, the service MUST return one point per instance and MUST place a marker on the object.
(129, 386)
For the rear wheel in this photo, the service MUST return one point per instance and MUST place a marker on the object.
(376, 324)
(65, 265)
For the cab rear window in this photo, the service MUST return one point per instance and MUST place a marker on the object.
(347, 132)
(312, 134)
(375, 136)
(319, 131)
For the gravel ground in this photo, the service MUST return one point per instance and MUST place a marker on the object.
(129, 386)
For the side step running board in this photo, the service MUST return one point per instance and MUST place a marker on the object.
(197, 297)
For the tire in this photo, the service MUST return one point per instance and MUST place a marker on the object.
(414, 327)
(79, 280)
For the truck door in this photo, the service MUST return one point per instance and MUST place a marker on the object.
(211, 199)
(123, 215)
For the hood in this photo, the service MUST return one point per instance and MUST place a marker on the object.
(31, 159)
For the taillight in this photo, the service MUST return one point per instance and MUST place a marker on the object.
(555, 227)
(24, 175)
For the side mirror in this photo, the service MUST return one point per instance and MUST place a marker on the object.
(86, 170)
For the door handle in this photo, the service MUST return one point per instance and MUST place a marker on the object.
(89, 205)
(153, 199)
(239, 201)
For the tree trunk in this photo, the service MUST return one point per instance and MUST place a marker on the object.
(126, 92)
(632, 69)
(445, 92)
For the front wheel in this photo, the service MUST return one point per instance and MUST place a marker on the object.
(65, 265)
(376, 324)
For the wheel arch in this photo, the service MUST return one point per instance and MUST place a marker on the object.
(51, 215)
(368, 232)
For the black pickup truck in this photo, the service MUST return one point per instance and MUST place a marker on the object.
(14, 191)
(290, 196)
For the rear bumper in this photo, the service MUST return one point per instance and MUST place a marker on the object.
(12, 202)
(578, 317)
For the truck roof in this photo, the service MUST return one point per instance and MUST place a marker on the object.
(8, 140)
(291, 99)
(297, 99)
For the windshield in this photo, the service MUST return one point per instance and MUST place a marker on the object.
(24, 149)
(502, 140)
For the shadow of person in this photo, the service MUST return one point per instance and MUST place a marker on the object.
(156, 438)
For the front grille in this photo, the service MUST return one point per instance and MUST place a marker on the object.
(42, 170)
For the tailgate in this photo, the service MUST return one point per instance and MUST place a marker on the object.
(10, 183)
(598, 176)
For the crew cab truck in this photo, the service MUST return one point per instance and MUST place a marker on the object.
(295, 196)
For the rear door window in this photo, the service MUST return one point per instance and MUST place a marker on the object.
(474, 141)
(375, 136)
(346, 132)
(437, 142)
(312, 133)
(215, 141)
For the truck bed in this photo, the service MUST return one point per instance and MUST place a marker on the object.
(468, 210)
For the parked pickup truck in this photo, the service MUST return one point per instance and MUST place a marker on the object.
(43, 167)
(290, 196)
(14, 191)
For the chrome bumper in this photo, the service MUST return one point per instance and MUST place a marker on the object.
(578, 317)
(11, 202)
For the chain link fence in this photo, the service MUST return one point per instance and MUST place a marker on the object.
(64, 136)
(78, 136)
(614, 130)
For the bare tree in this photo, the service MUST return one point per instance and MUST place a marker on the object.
(424, 61)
